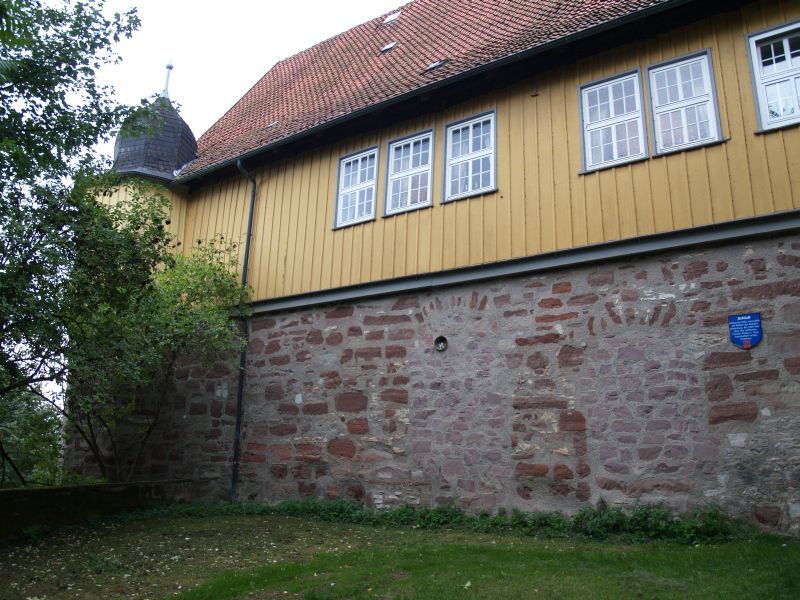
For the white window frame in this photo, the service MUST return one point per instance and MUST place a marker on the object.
(762, 79)
(590, 125)
(345, 186)
(686, 105)
(407, 175)
(466, 159)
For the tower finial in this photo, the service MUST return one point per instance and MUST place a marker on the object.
(165, 93)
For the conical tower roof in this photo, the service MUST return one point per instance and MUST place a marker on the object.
(155, 142)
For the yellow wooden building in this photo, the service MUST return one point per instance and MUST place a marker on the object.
(469, 143)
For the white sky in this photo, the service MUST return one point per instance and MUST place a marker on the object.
(220, 49)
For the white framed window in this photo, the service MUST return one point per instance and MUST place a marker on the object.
(355, 201)
(684, 105)
(775, 58)
(409, 173)
(470, 157)
(613, 123)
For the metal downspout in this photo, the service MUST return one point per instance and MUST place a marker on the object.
(237, 437)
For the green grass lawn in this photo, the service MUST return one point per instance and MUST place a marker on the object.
(272, 556)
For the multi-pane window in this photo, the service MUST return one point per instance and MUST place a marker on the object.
(356, 198)
(613, 126)
(683, 103)
(470, 157)
(775, 55)
(409, 182)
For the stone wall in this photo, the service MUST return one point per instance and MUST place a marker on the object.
(615, 381)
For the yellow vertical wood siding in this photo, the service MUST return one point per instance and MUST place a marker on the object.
(542, 203)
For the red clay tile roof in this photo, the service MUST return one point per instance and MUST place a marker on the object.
(348, 73)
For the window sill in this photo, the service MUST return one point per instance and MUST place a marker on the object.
(777, 128)
(707, 144)
(351, 223)
(470, 195)
(613, 165)
(403, 211)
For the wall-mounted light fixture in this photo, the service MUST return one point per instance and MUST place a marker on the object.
(440, 343)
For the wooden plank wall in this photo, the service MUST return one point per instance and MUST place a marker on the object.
(542, 203)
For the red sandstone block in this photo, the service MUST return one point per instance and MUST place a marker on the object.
(560, 489)
(550, 303)
(399, 396)
(562, 471)
(719, 388)
(306, 489)
(282, 429)
(538, 360)
(278, 471)
(280, 361)
(374, 335)
(288, 408)
(334, 338)
(249, 457)
(604, 483)
(582, 491)
(371, 320)
(395, 352)
(629, 295)
(740, 411)
(280, 452)
(764, 375)
(358, 426)
(768, 515)
(260, 324)
(695, 269)
(340, 312)
(649, 453)
(356, 492)
(405, 303)
(198, 408)
(343, 447)
(308, 452)
(347, 356)
(600, 278)
(274, 391)
(216, 408)
(314, 337)
(583, 300)
(718, 360)
(368, 353)
(256, 447)
(548, 338)
(558, 317)
(520, 312)
(354, 331)
(571, 420)
(537, 402)
(768, 291)
(788, 260)
(502, 300)
(401, 334)
(272, 347)
(315, 408)
(531, 470)
(582, 469)
(351, 402)
(792, 364)
(570, 356)
(562, 287)
(331, 379)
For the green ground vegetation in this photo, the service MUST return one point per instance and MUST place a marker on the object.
(245, 552)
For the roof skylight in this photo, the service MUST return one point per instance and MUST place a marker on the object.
(388, 47)
(434, 65)
(391, 17)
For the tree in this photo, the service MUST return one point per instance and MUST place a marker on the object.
(52, 112)
(134, 309)
(92, 314)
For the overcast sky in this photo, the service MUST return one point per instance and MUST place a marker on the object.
(220, 49)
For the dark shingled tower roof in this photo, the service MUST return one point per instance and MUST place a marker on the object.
(161, 144)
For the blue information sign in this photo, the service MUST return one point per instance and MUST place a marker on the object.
(745, 329)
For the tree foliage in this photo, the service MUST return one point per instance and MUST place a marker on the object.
(91, 296)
